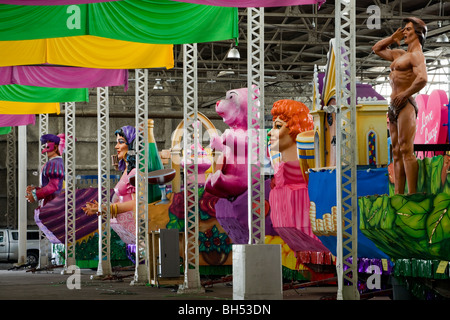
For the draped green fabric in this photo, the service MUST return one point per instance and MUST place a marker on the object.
(20, 93)
(5, 130)
(41, 22)
(146, 21)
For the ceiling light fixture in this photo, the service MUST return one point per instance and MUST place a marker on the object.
(233, 53)
(158, 85)
(225, 72)
(442, 38)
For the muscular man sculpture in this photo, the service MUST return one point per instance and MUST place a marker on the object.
(408, 76)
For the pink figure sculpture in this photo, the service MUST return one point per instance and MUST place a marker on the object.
(230, 178)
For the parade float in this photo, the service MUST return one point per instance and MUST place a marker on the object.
(405, 236)
(413, 229)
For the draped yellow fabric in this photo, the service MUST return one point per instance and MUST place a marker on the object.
(14, 53)
(88, 52)
(106, 53)
(329, 88)
(13, 107)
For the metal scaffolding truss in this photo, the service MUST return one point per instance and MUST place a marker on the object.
(70, 205)
(255, 124)
(104, 194)
(191, 207)
(142, 272)
(44, 244)
(346, 264)
(11, 175)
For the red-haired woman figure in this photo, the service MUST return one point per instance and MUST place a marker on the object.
(289, 200)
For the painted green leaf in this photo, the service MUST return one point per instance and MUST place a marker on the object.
(438, 222)
(397, 201)
(375, 213)
(388, 214)
(365, 204)
(421, 187)
(435, 174)
(412, 215)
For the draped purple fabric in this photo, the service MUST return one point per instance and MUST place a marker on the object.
(50, 2)
(63, 77)
(253, 3)
(13, 120)
(50, 218)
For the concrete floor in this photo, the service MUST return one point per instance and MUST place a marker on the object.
(19, 284)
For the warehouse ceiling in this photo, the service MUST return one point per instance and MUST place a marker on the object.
(296, 39)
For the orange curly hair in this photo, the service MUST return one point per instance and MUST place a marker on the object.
(295, 114)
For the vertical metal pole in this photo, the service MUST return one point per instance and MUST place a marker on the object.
(104, 194)
(347, 257)
(44, 244)
(190, 103)
(22, 221)
(142, 272)
(255, 124)
(11, 175)
(70, 185)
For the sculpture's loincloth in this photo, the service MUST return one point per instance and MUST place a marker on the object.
(393, 111)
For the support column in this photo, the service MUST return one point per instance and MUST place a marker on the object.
(70, 205)
(256, 260)
(191, 207)
(44, 243)
(104, 194)
(22, 206)
(255, 124)
(11, 183)
(142, 272)
(346, 196)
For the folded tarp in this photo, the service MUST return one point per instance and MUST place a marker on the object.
(13, 107)
(88, 52)
(19, 93)
(252, 3)
(15, 120)
(63, 77)
(145, 21)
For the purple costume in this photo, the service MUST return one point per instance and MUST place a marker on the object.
(52, 177)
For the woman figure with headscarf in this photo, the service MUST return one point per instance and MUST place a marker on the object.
(122, 208)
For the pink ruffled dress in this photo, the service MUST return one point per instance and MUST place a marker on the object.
(289, 204)
(125, 223)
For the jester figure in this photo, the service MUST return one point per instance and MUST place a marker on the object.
(52, 173)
